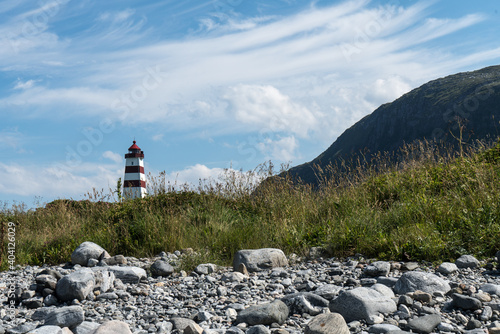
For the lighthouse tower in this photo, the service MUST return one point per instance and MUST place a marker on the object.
(134, 185)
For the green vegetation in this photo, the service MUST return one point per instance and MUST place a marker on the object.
(434, 206)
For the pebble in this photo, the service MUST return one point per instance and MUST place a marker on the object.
(214, 299)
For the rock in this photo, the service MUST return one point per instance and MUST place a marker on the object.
(445, 327)
(422, 296)
(328, 291)
(161, 268)
(361, 304)
(182, 323)
(447, 268)
(77, 285)
(258, 329)
(54, 273)
(87, 250)
(492, 289)
(233, 276)
(327, 323)
(86, 327)
(409, 266)
(35, 302)
(412, 281)
(425, 324)
(47, 330)
(260, 259)
(264, 314)
(131, 275)
(45, 281)
(114, 260)
(68, 316)
(22, 328)
(50, 300)
(378, 268)
(113, 327)
(383, 289)
(205, 268)
(383, 328)
(467, 261)
(242, 269)
(104, 279)
(466, 302)
(305, 302)
(193, 328)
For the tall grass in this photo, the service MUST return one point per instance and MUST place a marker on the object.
(430, 203)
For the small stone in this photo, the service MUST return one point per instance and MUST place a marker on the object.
(412, 281)
(161, 268)
(409, 266)
(378, 268)
(422, 296)
(68, 316)
(258, 329)
(327, 323)
(113, 327)
(447, 268)
(260, 259)
(383, 328)
(473, 324)
(425, 324)
(445, 327)
(264, 314)
(205, 268)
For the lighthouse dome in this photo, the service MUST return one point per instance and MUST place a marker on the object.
(134, 147)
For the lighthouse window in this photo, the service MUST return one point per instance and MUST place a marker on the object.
(131, 163)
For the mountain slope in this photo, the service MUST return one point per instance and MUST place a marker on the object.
(434, 111)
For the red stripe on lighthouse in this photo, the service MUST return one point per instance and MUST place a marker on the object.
(134, 183)
(134, 169)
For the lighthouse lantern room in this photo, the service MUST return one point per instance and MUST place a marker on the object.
(134, 185)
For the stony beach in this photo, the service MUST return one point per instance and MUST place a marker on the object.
(264, 292)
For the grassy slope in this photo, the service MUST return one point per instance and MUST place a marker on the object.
(431, 209)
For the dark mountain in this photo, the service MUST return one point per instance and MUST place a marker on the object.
(435, 111)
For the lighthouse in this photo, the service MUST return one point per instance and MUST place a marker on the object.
(134, 185)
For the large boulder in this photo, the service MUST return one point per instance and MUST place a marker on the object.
(77, 285)
(69, 316)
(416, 280)
(264, 314)
(259, 259)
(131, 275)
(362, 304)
(88, 250)
(327, 323)
(161, 268)
(378, 268)
(467, 261)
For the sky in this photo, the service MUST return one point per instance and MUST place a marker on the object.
(203, 86)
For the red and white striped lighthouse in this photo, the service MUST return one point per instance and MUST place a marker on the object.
(134, 185)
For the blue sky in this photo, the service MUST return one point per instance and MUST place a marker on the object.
(206, 85)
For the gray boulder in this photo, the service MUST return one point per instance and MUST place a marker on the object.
(161, 268)
(182, 323)
(259, 259)
(22, 328)
(383, 289)
(327, 323)
(328, 291)
(131, 275)
(492, 289)
(447, 268)
(383, 328)
(264, 314)
(205, 268)
(113, 327)
(68, 316)
(412, 281)
(305, 302)
(425, 324)
(467, 261)
(466, 302)
(362, 304)
(258, 329)
(77, 285)
(86, 327)
(378, 268)
(88, 250)
(104, 279)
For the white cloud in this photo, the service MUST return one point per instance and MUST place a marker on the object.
(112, 156)
(58, 180)
(265, 107)
(282, 149)
(24, 85)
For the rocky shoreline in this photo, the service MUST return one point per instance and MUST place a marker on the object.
(264, 292)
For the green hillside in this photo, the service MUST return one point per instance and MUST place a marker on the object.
(433, 207)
